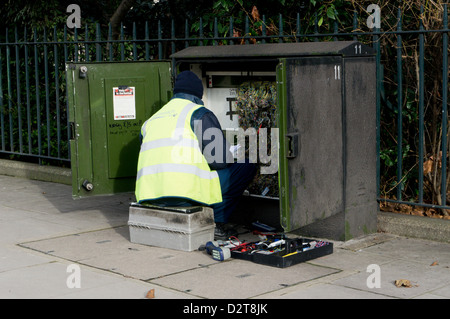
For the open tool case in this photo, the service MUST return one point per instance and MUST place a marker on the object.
(280, 251)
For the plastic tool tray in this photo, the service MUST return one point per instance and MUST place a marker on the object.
(280, 251)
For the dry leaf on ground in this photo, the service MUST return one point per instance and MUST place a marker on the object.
(150, 294)
(434, 263)
(403, 283)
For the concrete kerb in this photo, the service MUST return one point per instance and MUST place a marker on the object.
(391, 223)
(36, 172)
(414, 226)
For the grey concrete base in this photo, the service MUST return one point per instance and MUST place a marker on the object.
(153, 226)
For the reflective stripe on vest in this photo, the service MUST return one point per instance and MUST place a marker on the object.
(176, 168)
(164, 142)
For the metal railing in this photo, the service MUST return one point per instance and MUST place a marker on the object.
(34, 107)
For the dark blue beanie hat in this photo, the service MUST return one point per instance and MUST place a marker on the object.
(188, 82)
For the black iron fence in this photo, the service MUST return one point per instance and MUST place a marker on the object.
(34, 110)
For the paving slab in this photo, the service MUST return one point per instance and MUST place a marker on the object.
(440, 293)
(418, 250)
(350, 260)
(327, 291)
(46, 280)
(240, 279)
(49, 281)
(423, 279)
(110, 249)
(13, 257)
(27, 229)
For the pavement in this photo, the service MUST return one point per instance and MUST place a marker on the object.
(54, 247)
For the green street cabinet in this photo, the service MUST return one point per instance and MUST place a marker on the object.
(326, 126)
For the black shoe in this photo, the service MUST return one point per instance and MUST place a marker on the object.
(222, 232)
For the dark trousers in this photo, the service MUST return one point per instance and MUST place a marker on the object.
(233, 181)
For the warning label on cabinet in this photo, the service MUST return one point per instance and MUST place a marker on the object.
(124, 103)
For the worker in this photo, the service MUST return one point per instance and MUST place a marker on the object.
(185, 159)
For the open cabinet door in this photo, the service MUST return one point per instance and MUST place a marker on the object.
(108, 103)
(311, 170)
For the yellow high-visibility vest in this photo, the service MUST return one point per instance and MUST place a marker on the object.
(171, 163)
